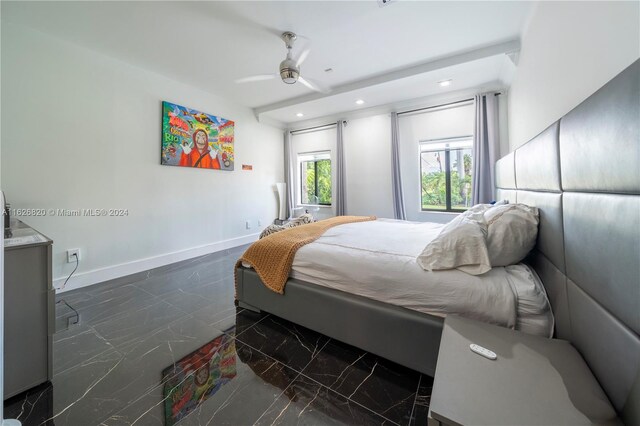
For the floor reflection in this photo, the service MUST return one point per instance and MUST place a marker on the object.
(199, 375)
(33, 407)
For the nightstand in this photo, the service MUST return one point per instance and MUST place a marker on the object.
(534, 380)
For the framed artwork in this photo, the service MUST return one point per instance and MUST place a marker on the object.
(195, 139)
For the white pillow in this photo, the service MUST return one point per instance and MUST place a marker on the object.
(512, 232)
(474, 213)
(460, 245)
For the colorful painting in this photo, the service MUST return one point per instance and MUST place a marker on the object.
(200, 374)
(194, 139)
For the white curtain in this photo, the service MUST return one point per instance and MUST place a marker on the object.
(486, 147)
(396, 178)
(288, 173)
(341, 195)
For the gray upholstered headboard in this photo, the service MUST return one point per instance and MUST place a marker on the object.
(583, 173)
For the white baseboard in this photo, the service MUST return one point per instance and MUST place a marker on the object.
(96, 276)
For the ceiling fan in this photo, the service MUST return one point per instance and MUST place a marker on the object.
(289, 68)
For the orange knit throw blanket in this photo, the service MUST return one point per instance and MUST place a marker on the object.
(272, 256)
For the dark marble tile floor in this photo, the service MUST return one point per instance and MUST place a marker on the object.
(168, 346)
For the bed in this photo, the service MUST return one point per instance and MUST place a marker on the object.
(588, 193)
(376, 261)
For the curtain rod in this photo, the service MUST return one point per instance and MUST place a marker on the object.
(312, 128)
(435, 106)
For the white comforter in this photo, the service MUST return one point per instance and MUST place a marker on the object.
(377, 259)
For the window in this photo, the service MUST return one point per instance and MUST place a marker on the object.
(445, 174)
(315, 178)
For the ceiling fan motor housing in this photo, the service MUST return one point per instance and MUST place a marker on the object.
(289, 72)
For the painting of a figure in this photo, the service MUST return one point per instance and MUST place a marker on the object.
(194, 139)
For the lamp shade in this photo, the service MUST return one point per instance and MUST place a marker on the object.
(281, 189)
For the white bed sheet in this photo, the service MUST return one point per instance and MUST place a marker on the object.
(377, 259)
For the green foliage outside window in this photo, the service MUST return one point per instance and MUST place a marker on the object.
(434, 188)
(322, 184)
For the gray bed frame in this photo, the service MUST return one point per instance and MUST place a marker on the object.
(583, 173)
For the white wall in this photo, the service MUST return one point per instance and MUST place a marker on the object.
(81, 130)
(569, 50)
(503, 123)
(315, 141)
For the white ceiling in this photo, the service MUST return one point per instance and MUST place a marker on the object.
(484, 74)
(211, 44)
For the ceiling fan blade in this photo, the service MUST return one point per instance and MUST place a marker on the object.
(259, 77)
(303, 57)
(314, 85)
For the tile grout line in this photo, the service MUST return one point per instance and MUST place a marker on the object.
(141, 286)
(317, 353)
(413, 407)
(110, 348)
(152, 332)
(235, 313)
(108, 318)
(148, 333)
(142, 289)
(249, 328)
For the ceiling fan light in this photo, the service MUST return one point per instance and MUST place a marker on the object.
(289, 75)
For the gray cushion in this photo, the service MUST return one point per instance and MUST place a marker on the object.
(537, 163)
(555, 283)
(611, 349)
(631, 409)
(599, 139)
(602, 240)
(550, 241)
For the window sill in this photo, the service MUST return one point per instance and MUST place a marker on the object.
(322, 206)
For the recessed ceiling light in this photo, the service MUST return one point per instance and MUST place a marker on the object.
(299, 114)
(444, 83)
(359, 101)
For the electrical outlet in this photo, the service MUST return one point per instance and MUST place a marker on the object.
(248, 224)
(72, 254)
